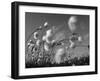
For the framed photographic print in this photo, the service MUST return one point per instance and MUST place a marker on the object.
(51, 40)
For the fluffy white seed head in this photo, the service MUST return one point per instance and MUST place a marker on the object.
(35, 35)
(45, 24)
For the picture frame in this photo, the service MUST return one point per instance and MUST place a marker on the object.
(26, 16)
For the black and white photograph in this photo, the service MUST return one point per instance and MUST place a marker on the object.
(51, 40)
(56, 40)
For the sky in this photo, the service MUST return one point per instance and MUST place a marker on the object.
(34, 20)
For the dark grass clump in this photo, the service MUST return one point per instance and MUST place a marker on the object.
(47, 63)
